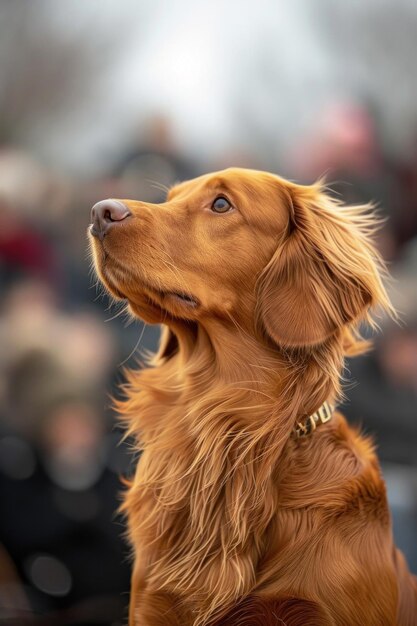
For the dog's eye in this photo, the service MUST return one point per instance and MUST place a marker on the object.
(221, 205)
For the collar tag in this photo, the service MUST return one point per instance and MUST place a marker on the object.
(309, 424)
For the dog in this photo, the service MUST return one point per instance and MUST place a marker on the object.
(253, 503)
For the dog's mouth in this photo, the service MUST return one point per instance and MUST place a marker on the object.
(126, 285)
(155, 295)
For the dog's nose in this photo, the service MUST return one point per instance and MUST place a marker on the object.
(106, 213)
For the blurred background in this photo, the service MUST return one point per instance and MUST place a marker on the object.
(102, 98)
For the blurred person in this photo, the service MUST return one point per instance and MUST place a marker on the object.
(23, 251)
(387, 388)
(344, 139)
(345, 147)
(70, 556)
(24, 246)
(81, 348)
(152, 163)
(23, 180)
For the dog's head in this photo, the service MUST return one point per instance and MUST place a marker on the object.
(246, 246)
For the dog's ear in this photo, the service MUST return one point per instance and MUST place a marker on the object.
(325, 272)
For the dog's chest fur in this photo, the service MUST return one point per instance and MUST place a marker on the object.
(202, 497)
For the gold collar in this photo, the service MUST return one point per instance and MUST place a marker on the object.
(309, 424)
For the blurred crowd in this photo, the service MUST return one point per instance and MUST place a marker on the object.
(62, 551)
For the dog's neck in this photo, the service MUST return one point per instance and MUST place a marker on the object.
(237, 357)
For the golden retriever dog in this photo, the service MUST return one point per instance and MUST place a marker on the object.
(253, 503)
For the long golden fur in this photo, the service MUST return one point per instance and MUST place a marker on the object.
(232, 520)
